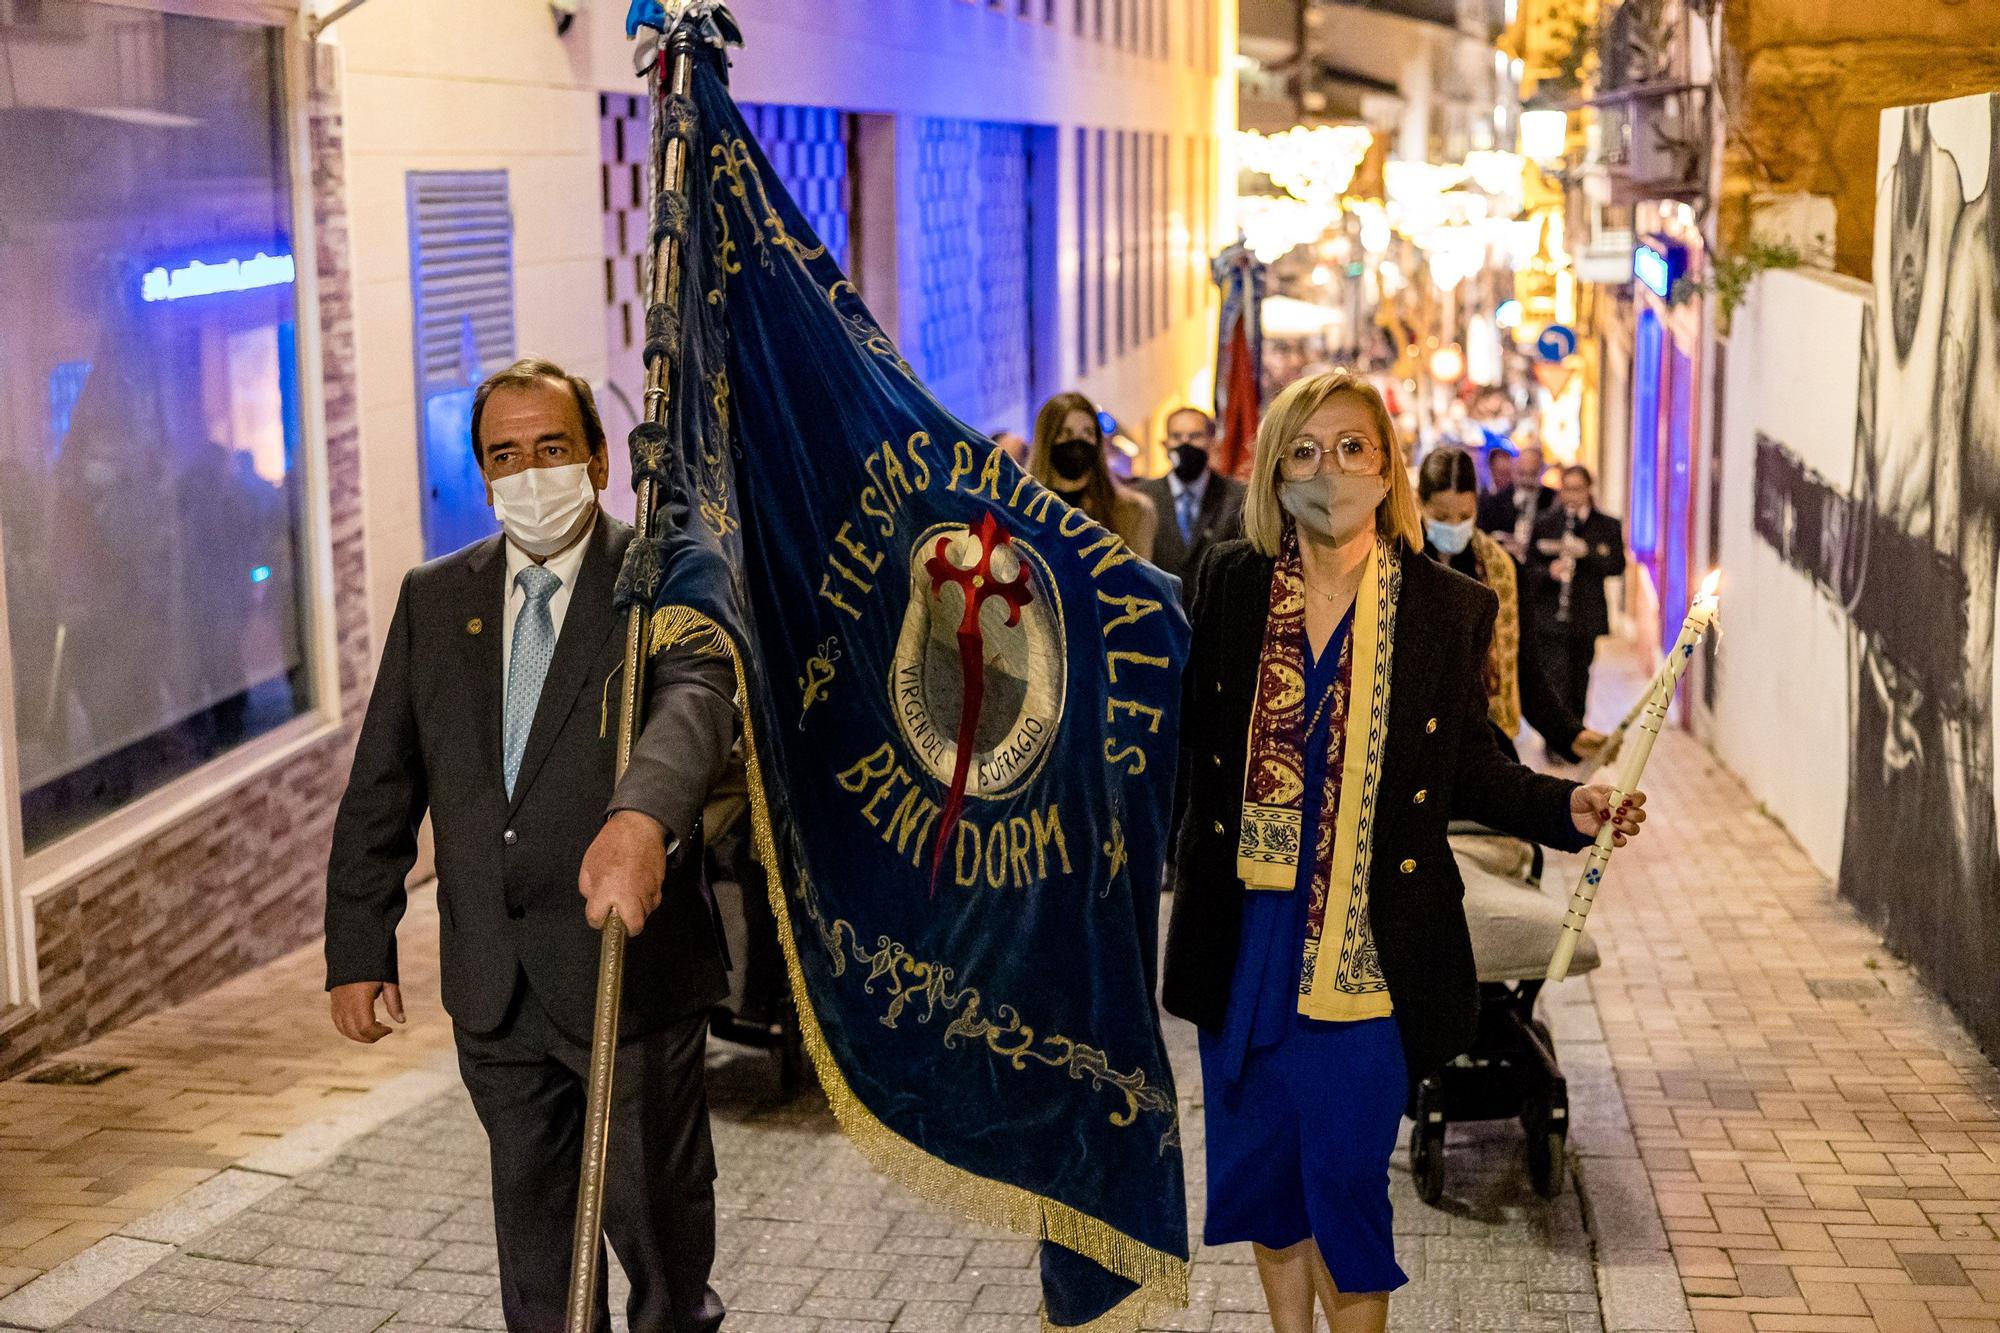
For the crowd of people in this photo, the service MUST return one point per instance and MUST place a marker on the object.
(1345, 696)
(1545, 551)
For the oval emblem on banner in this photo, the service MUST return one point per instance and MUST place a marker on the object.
(1024, 666)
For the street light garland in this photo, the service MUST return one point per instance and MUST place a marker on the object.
(1313, 164)
(1460, 215)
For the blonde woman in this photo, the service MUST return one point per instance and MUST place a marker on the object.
(1334, 719)
(1068, 458)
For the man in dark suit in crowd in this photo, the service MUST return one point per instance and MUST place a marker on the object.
(1197, 505)
(1575, 549)
(486, 713)
(1510, 515)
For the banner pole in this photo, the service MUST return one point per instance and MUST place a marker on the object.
(671, 77)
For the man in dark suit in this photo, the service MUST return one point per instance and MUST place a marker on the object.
(1575, 549)
(1510, 515)
(1197, 505)
(487, 713)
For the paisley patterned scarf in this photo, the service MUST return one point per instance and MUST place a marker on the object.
(1272, 838)
(1503, 667)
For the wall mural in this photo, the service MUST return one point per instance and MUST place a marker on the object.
(1908, 547)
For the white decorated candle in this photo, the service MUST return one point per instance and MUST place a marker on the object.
(1659, 697)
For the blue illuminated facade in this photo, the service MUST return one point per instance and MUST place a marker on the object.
(1025, 194)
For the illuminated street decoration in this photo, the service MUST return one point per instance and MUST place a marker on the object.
(1315, 164)
(1544, 134)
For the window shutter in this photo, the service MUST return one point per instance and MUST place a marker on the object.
(462, 313)
(461, 276)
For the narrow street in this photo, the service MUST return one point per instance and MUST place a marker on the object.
(1776, 1129)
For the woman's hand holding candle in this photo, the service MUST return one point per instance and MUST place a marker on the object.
(1612, 828)
(1590, 809)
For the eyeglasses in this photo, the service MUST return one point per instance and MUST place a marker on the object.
(1354, 455)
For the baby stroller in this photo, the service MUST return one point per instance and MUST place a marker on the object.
(759, 1012)
(1511, 1071)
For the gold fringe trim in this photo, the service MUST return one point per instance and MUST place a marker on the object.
(1162, 1277)
(683, 626)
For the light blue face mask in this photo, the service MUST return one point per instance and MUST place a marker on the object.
(1449, 538)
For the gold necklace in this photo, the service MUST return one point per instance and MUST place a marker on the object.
(1331, 597)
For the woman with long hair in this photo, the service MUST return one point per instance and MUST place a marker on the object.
(1334, 718)
(1068, 458)
(1517, 687)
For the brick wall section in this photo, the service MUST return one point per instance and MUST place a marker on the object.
(242, 880)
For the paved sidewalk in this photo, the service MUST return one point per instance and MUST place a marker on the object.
(205, 1086)
(1820, 1134)
(395, 1234)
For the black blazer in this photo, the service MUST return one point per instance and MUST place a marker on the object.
(1498, 512)
(1440, 762)
(507, 870)
(1542, 705)
(1589, 617)
(1220, 518)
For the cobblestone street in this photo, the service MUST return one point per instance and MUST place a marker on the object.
(395, 1234)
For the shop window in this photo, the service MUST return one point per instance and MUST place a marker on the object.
(150, 499)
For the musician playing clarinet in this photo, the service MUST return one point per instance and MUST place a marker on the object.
(1575, 548)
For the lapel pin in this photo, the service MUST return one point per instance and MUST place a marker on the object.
(474, 625)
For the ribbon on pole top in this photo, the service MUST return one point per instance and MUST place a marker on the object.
(960, 703)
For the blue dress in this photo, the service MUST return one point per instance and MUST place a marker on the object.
(1301, 1114)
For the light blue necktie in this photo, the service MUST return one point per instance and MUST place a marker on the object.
(1186, 505)
(528, 665)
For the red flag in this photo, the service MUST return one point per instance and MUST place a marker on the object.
(1239, 423)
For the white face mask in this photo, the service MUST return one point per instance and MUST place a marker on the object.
(543, 509)
(1449, 538)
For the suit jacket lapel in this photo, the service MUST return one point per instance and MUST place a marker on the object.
(1413, 685)
(486, 607)
(1253, 596)
(586, 622)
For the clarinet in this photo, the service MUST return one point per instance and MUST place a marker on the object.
(1569, 577)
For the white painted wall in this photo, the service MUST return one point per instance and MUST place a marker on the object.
(1781, 673)
(450, 85)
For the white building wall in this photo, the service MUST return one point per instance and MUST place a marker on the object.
(487, 84)
(446, 85)
(1781, 708)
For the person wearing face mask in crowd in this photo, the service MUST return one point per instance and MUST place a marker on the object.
(1334, 719)
(1510, 515)
(1068, 458)
(486, 714)
(1197, 505)
(1517, 686)
(1576, 548)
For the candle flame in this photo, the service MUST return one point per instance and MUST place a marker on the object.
(1712, 583)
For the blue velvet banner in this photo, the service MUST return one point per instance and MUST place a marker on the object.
(961, 707)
